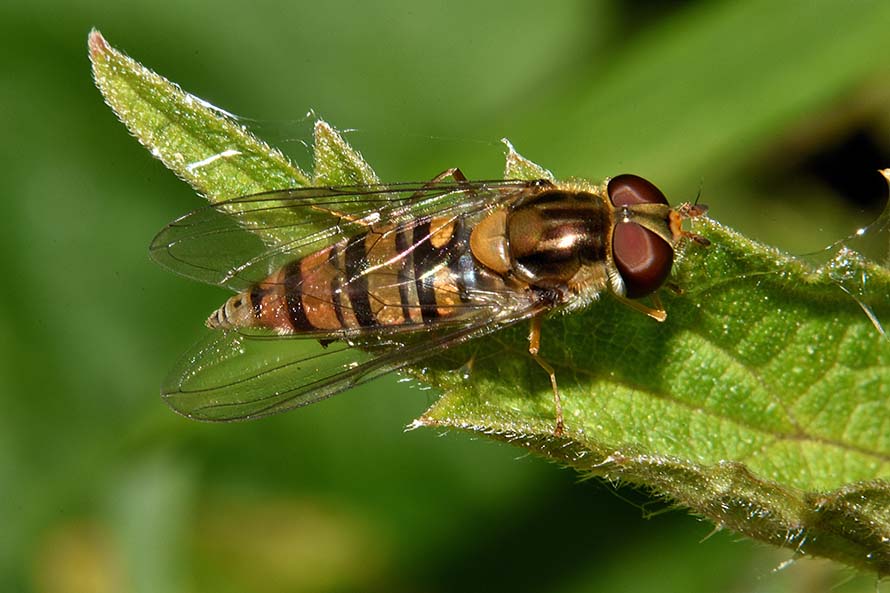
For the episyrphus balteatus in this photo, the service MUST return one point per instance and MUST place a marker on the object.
(400, 272)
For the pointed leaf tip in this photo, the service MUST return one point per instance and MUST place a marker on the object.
(97, 44)
(517, 166)
(336, 162)
(213, 152)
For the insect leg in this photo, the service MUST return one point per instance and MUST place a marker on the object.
(534, 345)
(658, 314)
(674, 288)
(343, 215)
(453, 172)
(659, 308)
(697, 238)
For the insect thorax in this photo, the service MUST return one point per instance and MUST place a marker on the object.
(552, 237)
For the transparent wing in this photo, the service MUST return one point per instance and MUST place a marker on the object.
(238, 242)
(239, 376)
(410, 276)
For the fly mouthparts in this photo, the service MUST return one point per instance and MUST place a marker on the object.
(681, 213)
(688, 210)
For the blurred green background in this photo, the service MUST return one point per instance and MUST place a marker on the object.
(778, 112)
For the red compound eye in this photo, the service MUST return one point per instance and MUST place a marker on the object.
(643, 258)
(627, 190)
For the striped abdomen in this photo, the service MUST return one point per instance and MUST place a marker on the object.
(391, 276)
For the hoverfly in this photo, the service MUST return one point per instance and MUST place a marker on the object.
(382, 276)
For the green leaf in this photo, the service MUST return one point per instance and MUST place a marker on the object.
(337, 163)
(762, 403)
(206, 147)
(518, 167)
(214, 153)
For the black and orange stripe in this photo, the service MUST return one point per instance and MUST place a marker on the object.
(357, 282)
(293, 295)
(409, 274)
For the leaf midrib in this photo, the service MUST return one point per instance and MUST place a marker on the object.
(800, 435)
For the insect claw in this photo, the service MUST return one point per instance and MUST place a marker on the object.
(559, 430)
(697, 238)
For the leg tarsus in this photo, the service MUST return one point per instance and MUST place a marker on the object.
(674, 288)
(453, 172)
(534, 345)
(658, 314)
